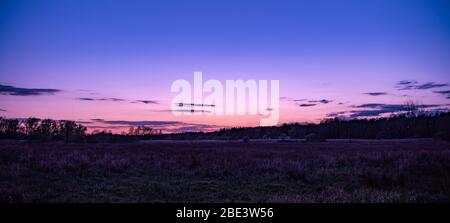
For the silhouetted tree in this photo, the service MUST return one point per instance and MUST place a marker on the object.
(70, 130)
(48, 129)
(142, 131)
(12, 128)
(31, 127)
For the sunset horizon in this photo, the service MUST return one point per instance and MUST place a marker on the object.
(225, 110)
(113, 68)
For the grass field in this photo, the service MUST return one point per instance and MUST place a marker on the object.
(338, 171)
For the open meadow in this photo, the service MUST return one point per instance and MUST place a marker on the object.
(415, 170)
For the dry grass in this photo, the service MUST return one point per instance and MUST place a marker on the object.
(361, 171)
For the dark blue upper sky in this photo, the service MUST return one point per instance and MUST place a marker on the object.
(221, 26)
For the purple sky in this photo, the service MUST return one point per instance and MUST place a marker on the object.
(103, 58)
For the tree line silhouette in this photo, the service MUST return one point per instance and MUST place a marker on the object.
(34, 129)
(420, 125)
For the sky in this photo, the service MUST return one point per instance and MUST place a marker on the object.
(111, 64)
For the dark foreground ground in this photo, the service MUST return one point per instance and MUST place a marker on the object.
(340, 171)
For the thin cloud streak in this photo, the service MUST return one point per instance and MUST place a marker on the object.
(323, 101)
(16, 91)
(307, 105)
(376, 93)
(167, 126)
(446, 93)
(414, 85)
(381, 109)
(378, 109)
(101, 99)
(148, 101)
